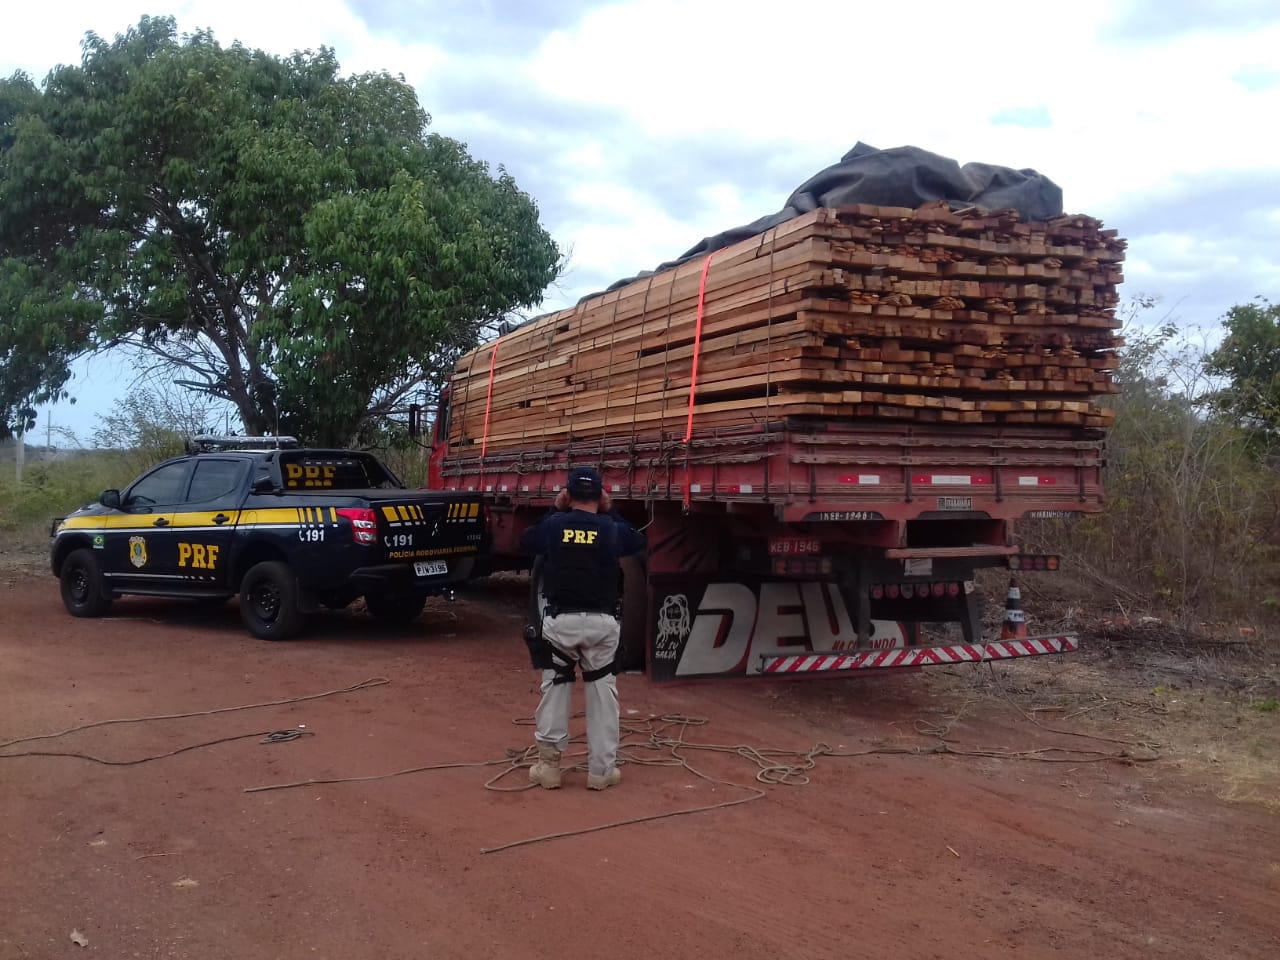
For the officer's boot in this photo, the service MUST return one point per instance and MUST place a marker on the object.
(546, 769)
(604, 780)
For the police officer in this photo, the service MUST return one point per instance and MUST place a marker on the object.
(580, 542)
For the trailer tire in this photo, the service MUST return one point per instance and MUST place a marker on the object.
(537, 602)
(633, 647)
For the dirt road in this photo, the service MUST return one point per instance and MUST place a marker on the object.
(881, 855)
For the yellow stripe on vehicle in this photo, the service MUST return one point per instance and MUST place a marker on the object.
(110, 521)
(275, 516)
(272, 515)
(390, 514)
(204, 518)
(474, 511)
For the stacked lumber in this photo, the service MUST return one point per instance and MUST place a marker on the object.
(875, 313)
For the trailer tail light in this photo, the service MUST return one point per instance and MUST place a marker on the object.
(938, 589)
(953, 589)
(1034, 561)
(877, 592)
(892, 591)
(364, 524)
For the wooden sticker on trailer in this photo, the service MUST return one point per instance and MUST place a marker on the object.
(720, 626)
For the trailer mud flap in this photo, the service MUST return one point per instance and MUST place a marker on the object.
(717, 627)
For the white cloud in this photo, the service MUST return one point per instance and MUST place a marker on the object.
(34, 41)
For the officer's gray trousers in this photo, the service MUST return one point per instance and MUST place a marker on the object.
(592, 640)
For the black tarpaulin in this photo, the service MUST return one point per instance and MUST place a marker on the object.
(898, 177)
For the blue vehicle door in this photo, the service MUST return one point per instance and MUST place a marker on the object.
(204, 523)
(140, 550)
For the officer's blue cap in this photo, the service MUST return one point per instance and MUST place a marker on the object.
(585, 484)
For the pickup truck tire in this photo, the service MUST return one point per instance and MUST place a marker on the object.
(82, 585)
(269, 601)
(394, 609)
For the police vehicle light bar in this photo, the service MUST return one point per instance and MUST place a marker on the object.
(209, 443)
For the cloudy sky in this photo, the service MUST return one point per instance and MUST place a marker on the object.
(641, 126)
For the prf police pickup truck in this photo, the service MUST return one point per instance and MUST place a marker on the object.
(288, 529)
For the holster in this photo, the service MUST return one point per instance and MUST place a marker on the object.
(539, 648)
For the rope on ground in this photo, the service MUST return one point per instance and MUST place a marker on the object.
(775, 767)
(662, 741)
(272, 736)
(362, 685)
(755, 795)
(376, 776)
(663, 738)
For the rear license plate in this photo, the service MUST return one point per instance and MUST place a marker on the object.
(430, 568)
(793, 546)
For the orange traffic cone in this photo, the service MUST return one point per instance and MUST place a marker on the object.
(1014, 626)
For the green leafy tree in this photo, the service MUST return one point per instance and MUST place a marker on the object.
(277, 235)
(1249, 361)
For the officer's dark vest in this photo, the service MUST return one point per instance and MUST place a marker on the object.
(582, 564)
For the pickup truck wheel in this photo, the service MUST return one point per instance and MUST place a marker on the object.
(395, 609)
(82, 587)
(269, 601)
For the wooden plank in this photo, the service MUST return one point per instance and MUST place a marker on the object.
(879, 312)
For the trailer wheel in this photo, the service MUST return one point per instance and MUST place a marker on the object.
(83, 591)
(537, 599)
(633, 647)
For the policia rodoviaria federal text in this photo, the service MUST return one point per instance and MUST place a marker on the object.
(580, 542)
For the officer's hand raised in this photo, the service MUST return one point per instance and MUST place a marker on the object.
(562, 499)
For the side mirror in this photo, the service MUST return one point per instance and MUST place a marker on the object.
(110, 499)
(264, 485)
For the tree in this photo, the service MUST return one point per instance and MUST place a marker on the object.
(1249, 360)
(274, 234)
(151, 423)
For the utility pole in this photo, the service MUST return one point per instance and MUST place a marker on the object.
(19, 452)
(48, 433)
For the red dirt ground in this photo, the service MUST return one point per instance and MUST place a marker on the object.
(878, 856)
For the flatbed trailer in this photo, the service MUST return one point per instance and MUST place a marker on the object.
(816, 545)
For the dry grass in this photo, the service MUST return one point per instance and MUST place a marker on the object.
(1208, 715)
